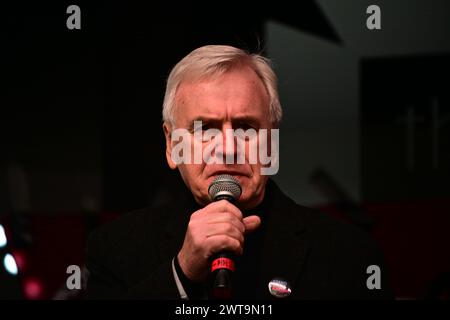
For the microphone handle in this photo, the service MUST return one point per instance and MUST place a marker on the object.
(222, 267)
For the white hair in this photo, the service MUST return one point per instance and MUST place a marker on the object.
(212, 60)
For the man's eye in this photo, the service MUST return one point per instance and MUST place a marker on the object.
(245, 126)
(204, 127)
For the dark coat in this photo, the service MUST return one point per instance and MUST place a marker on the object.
(319, 256)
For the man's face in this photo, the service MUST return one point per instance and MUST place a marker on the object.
(236, 99)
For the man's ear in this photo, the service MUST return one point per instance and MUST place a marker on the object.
(168, 134)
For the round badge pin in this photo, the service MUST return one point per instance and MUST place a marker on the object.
(279, 288)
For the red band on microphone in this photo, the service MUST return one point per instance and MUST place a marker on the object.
(222, 263)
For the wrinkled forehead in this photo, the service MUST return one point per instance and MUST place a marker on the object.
(236, 93)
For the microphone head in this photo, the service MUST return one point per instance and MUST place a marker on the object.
(225, 186)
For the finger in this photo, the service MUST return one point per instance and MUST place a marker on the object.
(228, 218)
(225, 206)
(220, 243)
(225, 229)
(251, 223)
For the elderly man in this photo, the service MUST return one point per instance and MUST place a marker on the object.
(280, 249)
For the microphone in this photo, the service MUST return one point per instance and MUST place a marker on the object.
(223, 187)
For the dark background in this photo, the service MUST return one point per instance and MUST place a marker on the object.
(81, 130)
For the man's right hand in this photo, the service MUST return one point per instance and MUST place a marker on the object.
(217, 227)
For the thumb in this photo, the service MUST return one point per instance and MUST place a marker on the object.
(251, 223)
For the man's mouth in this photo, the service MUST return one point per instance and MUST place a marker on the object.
(230, 172)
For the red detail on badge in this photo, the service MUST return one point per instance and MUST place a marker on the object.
(222, 263)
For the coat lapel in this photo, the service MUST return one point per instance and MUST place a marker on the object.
(285, 243)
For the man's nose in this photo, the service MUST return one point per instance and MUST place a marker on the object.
(229, 148)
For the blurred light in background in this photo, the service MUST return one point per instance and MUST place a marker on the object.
(10, 264)
(3, 240)
(20, 258)
(33, 288)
